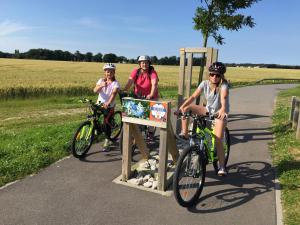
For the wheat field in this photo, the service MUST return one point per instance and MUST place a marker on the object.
(22, 77)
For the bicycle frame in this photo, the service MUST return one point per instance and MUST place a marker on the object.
(208, 138)
(95, 113)
(207, 134)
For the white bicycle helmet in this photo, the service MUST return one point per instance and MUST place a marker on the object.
(144, 58)
(109, 66)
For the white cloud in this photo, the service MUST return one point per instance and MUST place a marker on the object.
(92, 23)
(88, 22)
(8, 27)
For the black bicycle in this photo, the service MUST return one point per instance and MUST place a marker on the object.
(95, 125)
(190, 172)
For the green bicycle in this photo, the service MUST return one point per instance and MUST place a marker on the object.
(95, 125)
(190, 172)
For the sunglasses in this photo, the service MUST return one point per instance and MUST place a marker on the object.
(214, 74)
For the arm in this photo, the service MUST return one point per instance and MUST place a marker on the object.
(129, 83)
(98, 87)
(223, 96)
(111, 98)
(153, 88)
(190, 100)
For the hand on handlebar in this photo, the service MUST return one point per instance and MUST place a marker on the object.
(105, 105)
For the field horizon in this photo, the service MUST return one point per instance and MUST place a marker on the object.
(28, 78)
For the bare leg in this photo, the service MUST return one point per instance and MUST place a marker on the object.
(219, 132)
(196, 109)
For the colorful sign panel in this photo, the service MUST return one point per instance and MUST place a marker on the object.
(158, 111)
(145, 109)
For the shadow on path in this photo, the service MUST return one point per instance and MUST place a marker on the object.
(250, 179)
(237, 117)
(251, 133)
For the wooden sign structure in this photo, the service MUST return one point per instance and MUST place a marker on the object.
(150, 113)
(186, 70)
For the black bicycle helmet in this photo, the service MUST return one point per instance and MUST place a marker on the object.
(217, 67)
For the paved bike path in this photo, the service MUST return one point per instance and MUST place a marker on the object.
(82, 192)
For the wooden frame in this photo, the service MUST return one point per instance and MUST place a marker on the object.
(167, 143)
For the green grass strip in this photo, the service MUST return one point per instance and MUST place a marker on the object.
(286, 157)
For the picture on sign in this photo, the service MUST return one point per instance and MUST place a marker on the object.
(136, 108)
(158, 111)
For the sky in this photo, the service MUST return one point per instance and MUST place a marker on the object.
(154, 27)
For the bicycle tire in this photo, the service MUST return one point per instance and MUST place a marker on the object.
(191, 164)
(227, 150)
(116, 123)
(83, 139)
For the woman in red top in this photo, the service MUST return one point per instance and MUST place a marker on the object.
(145, 82)
(144, 78)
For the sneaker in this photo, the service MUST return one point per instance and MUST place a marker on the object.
(106, 145)
(222, 172)
(182, 136)
(150, 136)
(105, 149)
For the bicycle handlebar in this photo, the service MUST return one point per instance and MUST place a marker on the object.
(195, 116)
(93, 105)
(123, 94)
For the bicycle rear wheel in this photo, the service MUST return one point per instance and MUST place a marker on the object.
(226, 145)
(116, 125)
(189, 176)
(83, 139)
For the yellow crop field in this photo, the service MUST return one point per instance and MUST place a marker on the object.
(41, 76)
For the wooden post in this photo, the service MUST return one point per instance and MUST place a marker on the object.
(215, 55)
(172, 147)
(127, 154)
(209, 60)
(180, 84)
(188, 76)
(181, 76)
(163, 154)
(293, 103)
(163, 157)
(296, 115)
(298, 129)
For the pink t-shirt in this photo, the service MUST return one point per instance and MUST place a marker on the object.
(142, 83)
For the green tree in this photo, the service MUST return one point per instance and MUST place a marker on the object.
(78, 56)
(122, 59)
(110, 57)
(154, 59)
(213, 15)
(97, 57)
(88, 57)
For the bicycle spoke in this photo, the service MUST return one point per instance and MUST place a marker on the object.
(190, 177)
(83, 139)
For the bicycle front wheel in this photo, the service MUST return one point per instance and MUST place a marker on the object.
(189, 176)
(116, 125)
(83, 139)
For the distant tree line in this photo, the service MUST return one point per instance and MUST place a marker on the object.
(46, 54)
(262, 65)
